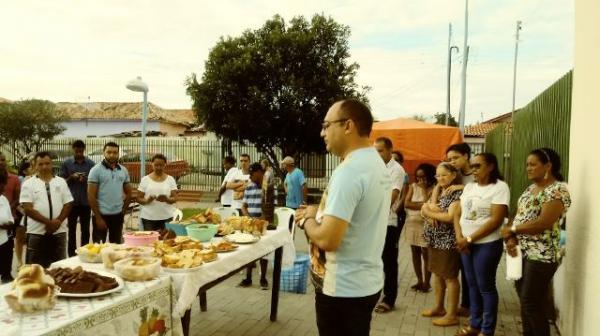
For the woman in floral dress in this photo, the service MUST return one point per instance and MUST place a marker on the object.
(536, 230)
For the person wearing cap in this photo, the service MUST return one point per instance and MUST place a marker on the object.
(294, 184)
(258, 203)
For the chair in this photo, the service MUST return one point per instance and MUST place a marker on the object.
(225, 212)
(286, 215)
(177, 215)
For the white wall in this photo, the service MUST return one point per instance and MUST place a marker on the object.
(81, 129)
(581, 311)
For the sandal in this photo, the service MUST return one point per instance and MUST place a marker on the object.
(416, 287)
(468, 331)
(443, 322)
(424, 289)
(432, 313)
(383, 308)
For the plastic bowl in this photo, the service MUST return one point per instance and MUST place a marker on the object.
(179, 229)
(202, 232)
(140, 238)
(127, 269)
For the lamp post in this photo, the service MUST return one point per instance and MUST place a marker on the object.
(137, 85)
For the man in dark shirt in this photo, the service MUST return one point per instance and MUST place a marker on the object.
(75, 171)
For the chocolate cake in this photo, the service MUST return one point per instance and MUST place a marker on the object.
(78, 281)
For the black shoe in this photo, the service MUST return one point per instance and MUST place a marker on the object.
(245, 283)
(264, 284)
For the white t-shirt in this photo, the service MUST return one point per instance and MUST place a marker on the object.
(227, 196)
(157, 210)
(240, 176)
(5, 218)
(34, 191)
(476, 203)
(397, 174)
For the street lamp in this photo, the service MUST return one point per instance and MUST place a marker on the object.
(137, 85)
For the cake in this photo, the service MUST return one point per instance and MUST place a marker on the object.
(78, 281)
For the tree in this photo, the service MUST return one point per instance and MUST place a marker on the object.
(272, 86)
(419, 117)
(440, 119)
(28, 124)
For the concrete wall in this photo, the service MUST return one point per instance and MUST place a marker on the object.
(580, 311)
(172, 129)
(81, 128)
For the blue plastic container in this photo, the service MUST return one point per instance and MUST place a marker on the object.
(294, 279)
(179, 229)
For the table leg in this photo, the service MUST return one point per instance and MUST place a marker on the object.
(185, 322)
(276, 280)
(203, 305)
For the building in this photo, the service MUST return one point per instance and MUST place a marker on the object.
(98, 119)
(475, 134)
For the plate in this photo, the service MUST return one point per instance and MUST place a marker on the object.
(89, 295)
(181, 270)
(235, 238)
(227, 251)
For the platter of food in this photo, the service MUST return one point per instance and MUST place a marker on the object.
(224, 247)
(242, 238)
(79, 283)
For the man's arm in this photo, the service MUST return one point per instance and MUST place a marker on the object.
(327, 235)
(64, 213)
(304, 193)
(34, 214)
(127, 200)
(245, 210)
(92, 194)
(16, 196)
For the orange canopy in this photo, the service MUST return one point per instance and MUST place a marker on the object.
(418, 141)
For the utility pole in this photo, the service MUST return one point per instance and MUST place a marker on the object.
(463, 96)
(450, 48)
(512, 114)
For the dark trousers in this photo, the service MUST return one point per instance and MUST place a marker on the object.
(154, 225)
(344, 316)
(465, 300)
(114, 225)
(81, 213)
(390, 265)
(532, 289)
(46, 249)
(6, 256)
(480, 266)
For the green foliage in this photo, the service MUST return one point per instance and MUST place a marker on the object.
(419, 117)
(28, 124)
(440, 119)
(272, 86)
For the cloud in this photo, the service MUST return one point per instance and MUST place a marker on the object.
(66, 51)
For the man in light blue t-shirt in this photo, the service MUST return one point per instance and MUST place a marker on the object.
(294, 184)
(347, 230)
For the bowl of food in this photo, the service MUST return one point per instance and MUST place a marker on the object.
(140, 238)
(114, 253)
(202, 232)
(138, 268)
(179, 227)
(90, 253)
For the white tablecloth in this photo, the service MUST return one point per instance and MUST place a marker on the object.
(187, 284)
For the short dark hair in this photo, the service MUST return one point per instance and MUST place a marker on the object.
(256, 166)
(25, 164)
(401, 157)
(3, 179)
(490, 159)
(78, 144)
(42, 154)
(429, 171)
(245, 155)
(110, 144)
(360, 114)
(158, 156)
(546, 155)
(386, 142)
(229, 159)
(462, 148)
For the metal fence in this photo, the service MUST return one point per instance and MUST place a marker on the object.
(544, 122)
(203, 156)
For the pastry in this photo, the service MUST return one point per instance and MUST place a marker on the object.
(33, 289)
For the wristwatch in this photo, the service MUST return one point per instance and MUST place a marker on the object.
(303, 221)
(469, 239)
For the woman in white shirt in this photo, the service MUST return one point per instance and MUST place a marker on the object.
(6, 222)
(483, 207)
(157, 193)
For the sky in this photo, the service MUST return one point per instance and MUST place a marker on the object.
(87, 50)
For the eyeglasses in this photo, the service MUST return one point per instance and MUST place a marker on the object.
(326, 124)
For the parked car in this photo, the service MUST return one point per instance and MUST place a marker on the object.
(175, 167)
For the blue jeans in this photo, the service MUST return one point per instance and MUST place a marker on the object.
(480, 269)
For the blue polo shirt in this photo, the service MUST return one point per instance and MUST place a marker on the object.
(78, 189)
(110, 186)
(295, 193)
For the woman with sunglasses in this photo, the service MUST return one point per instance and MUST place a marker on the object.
(483, 207)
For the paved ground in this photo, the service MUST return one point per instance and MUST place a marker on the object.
(234, 311)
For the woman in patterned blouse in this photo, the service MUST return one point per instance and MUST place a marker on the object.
(444, 259)
(535, 229)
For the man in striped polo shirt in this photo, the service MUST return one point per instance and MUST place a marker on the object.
(252, 207)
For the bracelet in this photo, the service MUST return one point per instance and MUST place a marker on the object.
(303, 222)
